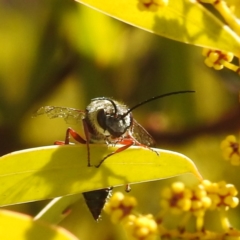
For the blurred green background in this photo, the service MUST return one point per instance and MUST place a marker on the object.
(65, 54)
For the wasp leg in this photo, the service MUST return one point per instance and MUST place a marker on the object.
(86, 132)
(128, 188)
(59, 143)
(144, 146)
(136, 143)
(74, 134)
(128, 143)
(78, 138)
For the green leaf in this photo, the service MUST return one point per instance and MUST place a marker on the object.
(49, 172)
(181, 20)
(21, 227)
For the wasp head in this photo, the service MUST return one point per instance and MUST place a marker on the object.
(108, 117)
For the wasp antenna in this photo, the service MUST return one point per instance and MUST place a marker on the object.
(154, 98)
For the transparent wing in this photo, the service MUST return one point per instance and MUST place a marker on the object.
(142, 135)
(70, 115)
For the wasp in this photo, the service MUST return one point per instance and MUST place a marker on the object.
(104, 121)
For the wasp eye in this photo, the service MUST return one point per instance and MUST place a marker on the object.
(101, 118)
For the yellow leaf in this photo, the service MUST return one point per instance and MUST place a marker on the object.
(16, 226)
(181, 20)
(49, 172)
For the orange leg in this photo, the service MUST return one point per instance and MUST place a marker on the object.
(74, 134)
(128, 143)
(135, 143)
(78, 138)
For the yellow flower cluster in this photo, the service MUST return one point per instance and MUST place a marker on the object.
(141, 227)
(119, 206)
(217, 59)
(151, 5)
(207, 195)
(230, 150)
(230, 12)
(177, 199)
(221, 194)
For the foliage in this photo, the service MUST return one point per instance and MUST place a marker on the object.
(26, 228)
(35, 174)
